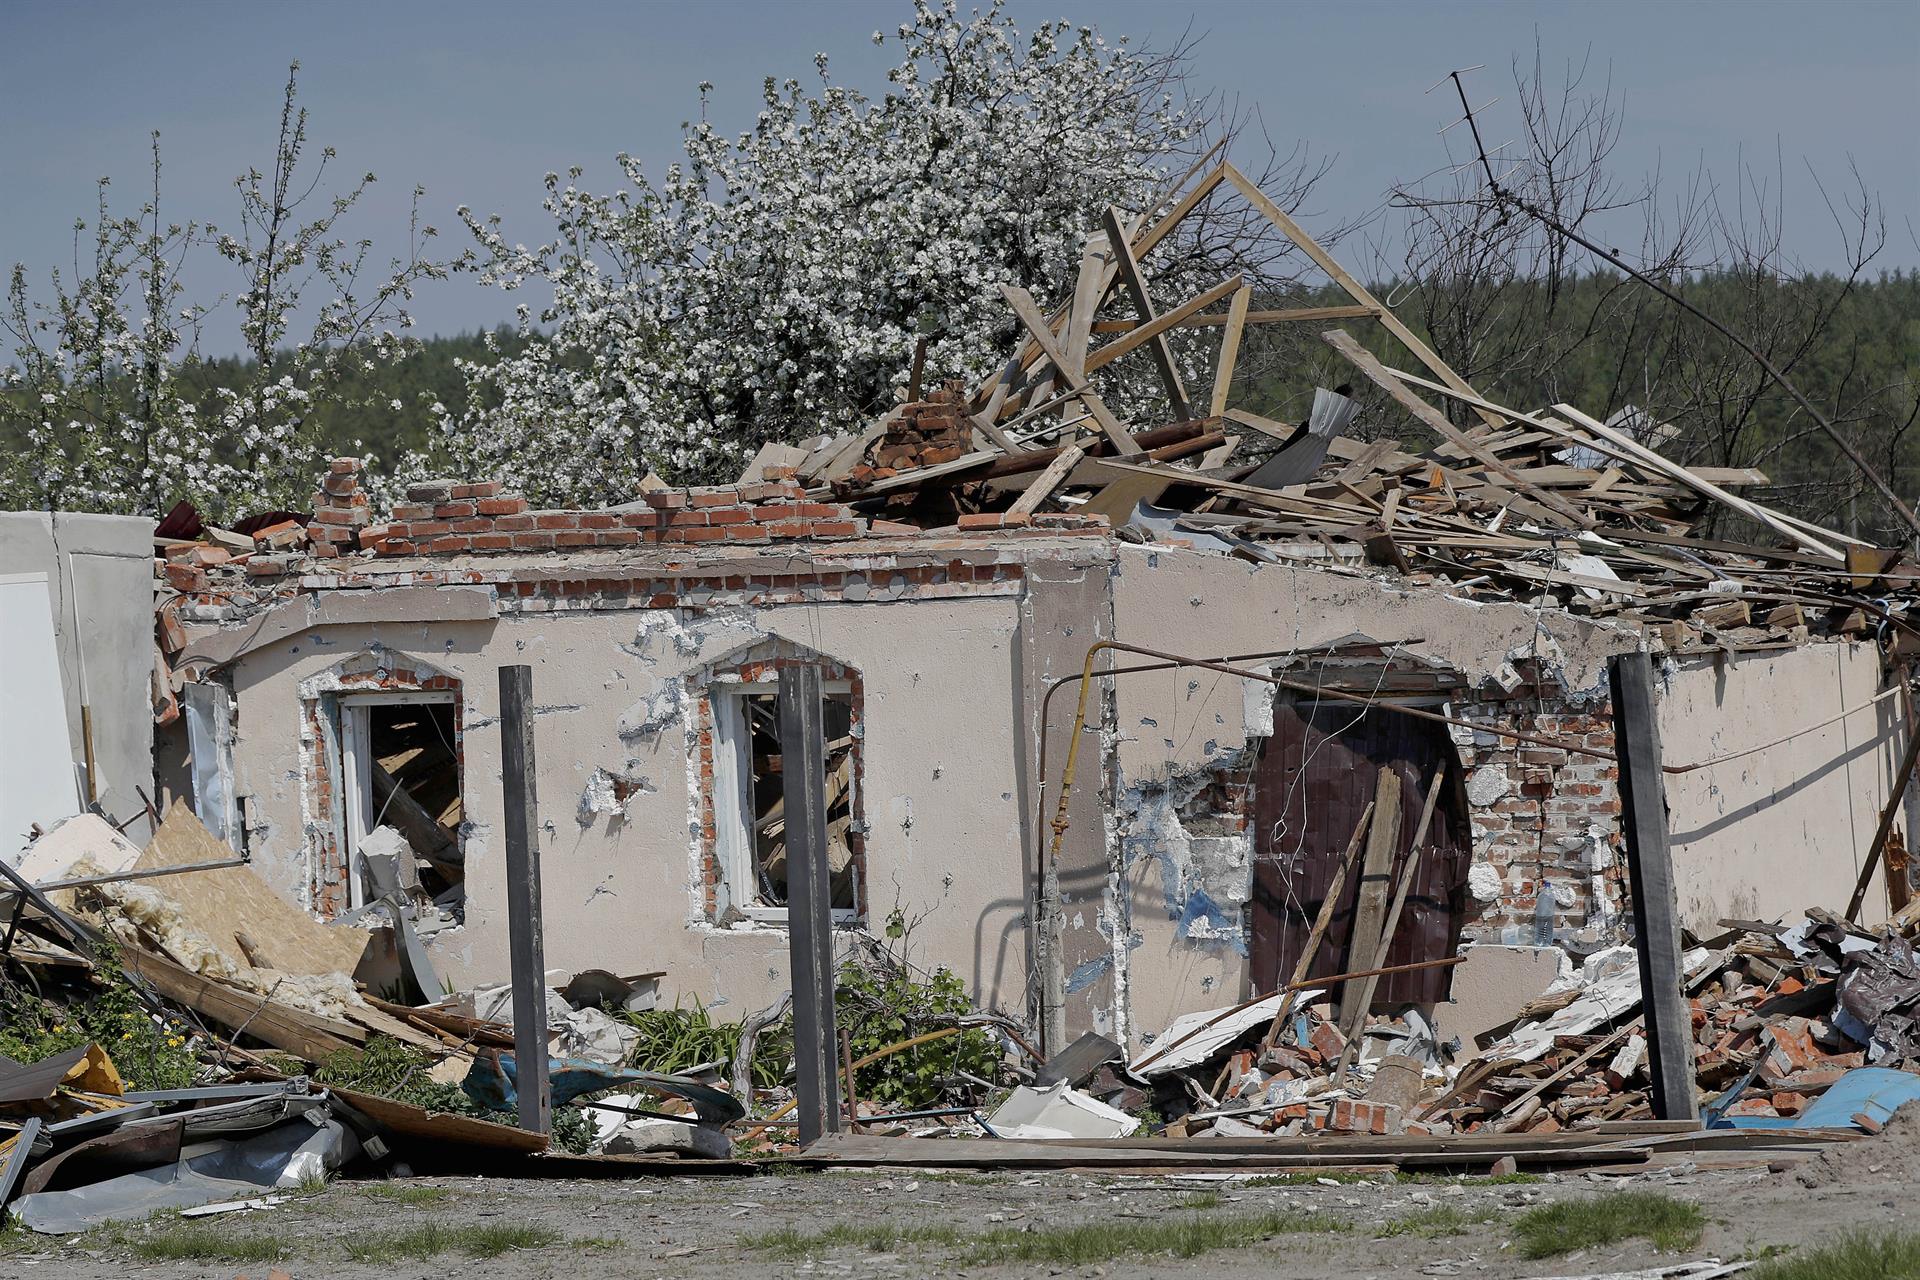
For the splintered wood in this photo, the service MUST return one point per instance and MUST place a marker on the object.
(1553, 507)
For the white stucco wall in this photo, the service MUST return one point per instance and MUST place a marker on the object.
(1777, 831)
(100, 588)
(940, 788)
(1175, 725)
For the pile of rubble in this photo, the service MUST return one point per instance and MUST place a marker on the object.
(191, 1039)
(1812, 1026)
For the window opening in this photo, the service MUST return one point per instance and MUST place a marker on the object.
(750, 800)
(403, 772)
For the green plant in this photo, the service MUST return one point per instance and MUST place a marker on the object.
(476, 1240)
(1595, 1220)
(1086, 1243)
(794, 1244)
(1862, 1255)
(879, 1008)
(389, 1068)
(149, 1053)
(1441, 1220)
(677, 1039)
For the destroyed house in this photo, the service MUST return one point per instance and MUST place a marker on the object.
(1312, 647)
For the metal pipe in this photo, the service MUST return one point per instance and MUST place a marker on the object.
(149, 873)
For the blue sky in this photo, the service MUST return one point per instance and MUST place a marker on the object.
(478, 100)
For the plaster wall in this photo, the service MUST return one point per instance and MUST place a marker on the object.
(1776, 831)
(100, 587)
(622, 883)
(1187, 882)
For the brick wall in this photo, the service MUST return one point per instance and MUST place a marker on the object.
(1543, 816)
(443, 517)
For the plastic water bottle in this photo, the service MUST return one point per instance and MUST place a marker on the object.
(1543, 915)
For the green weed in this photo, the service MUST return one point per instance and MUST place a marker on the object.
(1864, 1255)
(407, 1194)
(1084, 1244)
(1596, 1220)
(1441, 1220)
(430, 1239)
(879, 1237)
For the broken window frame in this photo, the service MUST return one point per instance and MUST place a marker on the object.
(732, 801)
(357, 816)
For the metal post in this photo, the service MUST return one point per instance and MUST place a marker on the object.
(1656, 914)
(529, 968)
(809, 901)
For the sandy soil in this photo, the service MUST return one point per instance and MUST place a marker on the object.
(672, 1227)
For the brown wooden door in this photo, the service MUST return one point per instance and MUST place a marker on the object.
(1314, 778)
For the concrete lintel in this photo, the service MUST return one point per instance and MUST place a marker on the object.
(342, 608)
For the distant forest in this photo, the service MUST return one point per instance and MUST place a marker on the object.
(1599, 342)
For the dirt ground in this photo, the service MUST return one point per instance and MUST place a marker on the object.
(674, 1227)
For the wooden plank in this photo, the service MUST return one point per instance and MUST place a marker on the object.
(1638, 453)
(1144, 242)
(1376, 870)
(1230, 350)
(1378, 374)
(1663, 996)
(1144, 333)
(1029, 314)
(307, 1036)
(1088, 288)
(1212, 319)
(1387, 930)
(1280, 431)
(1357, 291)
(1322, 919)
(1136, 283)
(520, 822)
(1047, 481)
(809, 902)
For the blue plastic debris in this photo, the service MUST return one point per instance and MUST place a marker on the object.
(1875, 1092)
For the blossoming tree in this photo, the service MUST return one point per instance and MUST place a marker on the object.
(774, 285)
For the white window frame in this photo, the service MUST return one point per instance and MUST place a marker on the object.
(356, 771)
(732, 806)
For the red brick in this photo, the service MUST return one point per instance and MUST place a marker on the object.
(492, 542)
(649, 519)
(473, 524)
(532, 542)
(454, 510)
(341, 466)
(745, 533)
(716, 498)
(599, 520)
(1327, 1041)
(412, 511)
(890, 529)
(395, 547)
(666, 499)
(338, 516)
(1354, 1115)
(790, 528)
(501, 506)
(616, 537)
(729, 515)
(512, 524)
(574, 538)
(262, 567)
(839, 528)
(980, 520)
(556, 520)
(418, 529)
(449, 543)
(479, 489)
(696, 535)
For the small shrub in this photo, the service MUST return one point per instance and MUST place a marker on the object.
(1862, 1255)
(149, 1054)
(881, 1009)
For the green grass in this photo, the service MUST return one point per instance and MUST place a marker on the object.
(1596, 1220)
(1864, 1255)
(430, 1239)
(877, 1237)
(194, 1242)
(1198, 1200)
(1082, 1245)
(1441, 1220)
(1067, 1246)
(404, 1193)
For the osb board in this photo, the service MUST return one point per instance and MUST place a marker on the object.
(230, 900)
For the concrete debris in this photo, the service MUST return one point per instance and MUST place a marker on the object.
(1058, 1111)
